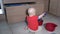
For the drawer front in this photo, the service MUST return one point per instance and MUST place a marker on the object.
(16, 14)
(17, 10)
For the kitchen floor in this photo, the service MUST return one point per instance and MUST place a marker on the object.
(18, 28)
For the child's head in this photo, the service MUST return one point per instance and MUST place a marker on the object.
(31, 11)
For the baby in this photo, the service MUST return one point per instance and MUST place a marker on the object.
(32, 20)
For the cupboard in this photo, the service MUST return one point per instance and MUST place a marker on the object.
(54, 7)
(17, 14)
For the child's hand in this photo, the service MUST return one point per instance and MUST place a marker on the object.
(40, 16)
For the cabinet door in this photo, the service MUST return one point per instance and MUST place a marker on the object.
(53, 7)
(58, 8)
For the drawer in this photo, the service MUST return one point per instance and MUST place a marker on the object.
(16, 14)
(17, 10)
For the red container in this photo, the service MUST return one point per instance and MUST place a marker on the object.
(50, 26)
(40, 22)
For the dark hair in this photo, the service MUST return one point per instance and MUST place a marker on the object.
(27, 12)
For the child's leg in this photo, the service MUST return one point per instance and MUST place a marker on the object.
(26, 24)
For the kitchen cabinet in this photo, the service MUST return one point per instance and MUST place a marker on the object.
(17, 14)
(54, 7)
(58, 8)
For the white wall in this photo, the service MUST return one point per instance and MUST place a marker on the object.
(1, 10)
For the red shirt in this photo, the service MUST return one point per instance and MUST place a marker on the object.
(32, 22)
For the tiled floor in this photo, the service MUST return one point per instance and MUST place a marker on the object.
(18, 28)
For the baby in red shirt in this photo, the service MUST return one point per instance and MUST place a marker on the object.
(32, 20)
